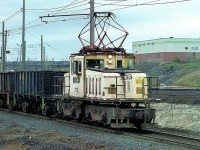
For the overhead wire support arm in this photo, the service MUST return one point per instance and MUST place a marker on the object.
(70, 15)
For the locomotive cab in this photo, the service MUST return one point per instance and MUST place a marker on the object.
(106, 75)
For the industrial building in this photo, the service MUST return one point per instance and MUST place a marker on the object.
(167, 50)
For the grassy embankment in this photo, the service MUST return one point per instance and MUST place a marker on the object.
(174, 73)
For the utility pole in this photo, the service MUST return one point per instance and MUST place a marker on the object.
(92, 23)
(42, 53)
(44, 58)
(5, 45)
(3, 49)
(1, 59)
(23, 38)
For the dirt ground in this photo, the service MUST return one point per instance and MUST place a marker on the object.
(174, 116)
(15, 139)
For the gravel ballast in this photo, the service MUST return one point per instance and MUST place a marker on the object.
(25, 132)
(182, 117)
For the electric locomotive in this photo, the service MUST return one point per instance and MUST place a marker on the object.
(102, 86)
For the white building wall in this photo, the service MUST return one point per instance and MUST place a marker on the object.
(166, 45)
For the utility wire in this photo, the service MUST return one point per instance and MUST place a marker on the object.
(65, 7)
(12, 16)
(143, 4)
(43, 42)
(18, 29)
(53, 10)
(58, 8)
(114, 4)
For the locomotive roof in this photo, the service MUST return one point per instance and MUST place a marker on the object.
(100, 53)
(96, 50)
(117, 70)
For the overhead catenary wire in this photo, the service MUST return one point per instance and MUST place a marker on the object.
(65, 7)
(18, 30)
(74, 3)
(70, 6)
(36, 22)
(53, 10)
(12, 16)
(43, 42)
(114, 3)
(141, 4)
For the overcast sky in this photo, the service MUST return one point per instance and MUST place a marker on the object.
(142, 22)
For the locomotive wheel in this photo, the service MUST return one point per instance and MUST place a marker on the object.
(81, 118)
(68, 118)
(1, 103)
(104, 119)
(25, 107)
(73, 113)
(50, 111)
(95, 123)
(138, 126)
(88, 116)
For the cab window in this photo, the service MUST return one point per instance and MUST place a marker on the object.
(119, 63)
(94, 63)
(130, 64)
(79, 67)
(76, 67)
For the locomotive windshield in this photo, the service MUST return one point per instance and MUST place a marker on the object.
(94, 63)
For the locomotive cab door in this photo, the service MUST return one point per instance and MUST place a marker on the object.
(77, 76)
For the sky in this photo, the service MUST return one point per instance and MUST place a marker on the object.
(60, 34)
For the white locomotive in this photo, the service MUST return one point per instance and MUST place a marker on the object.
(102, 86)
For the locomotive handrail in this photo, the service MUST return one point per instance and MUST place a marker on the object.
(149, 86)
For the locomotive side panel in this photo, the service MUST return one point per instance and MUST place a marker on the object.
(101, 85)
(93, 84)
(135, 85)
(115, 85)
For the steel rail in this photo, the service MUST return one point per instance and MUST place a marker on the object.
(173, 138)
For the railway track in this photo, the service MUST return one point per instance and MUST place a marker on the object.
(174, 138)
(157, 134)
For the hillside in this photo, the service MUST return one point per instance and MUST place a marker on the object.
(174, 73)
